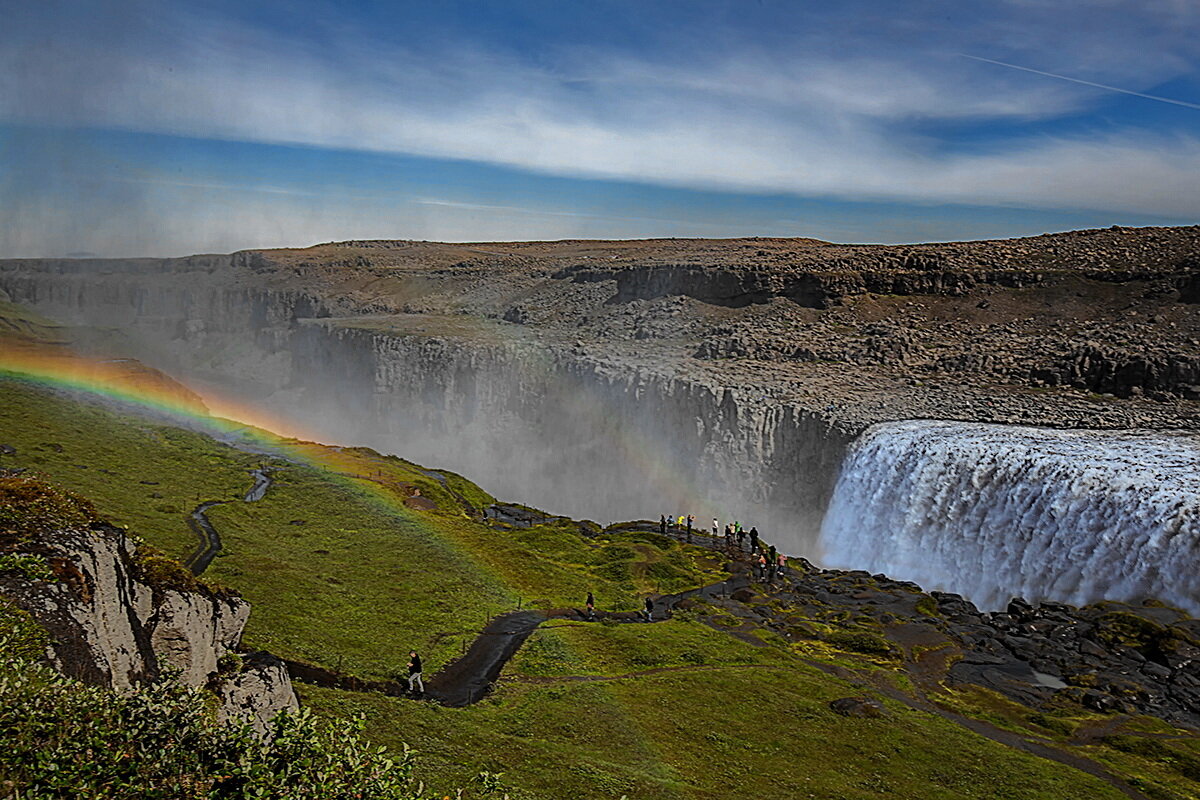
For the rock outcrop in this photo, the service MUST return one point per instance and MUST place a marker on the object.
(1126, 657)
(614, 379)
(119, 615)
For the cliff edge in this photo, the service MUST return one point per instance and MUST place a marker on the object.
(119, 614)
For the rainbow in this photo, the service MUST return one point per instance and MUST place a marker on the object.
(133, 384)
(141, 389)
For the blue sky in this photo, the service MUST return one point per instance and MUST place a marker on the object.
(164, 128)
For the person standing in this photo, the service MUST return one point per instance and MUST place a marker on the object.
(690, 520)
(415, 684)
(649, 612)
(716, 527)
(662, 524)
(591, 606)
(754, 540)
(741, 537)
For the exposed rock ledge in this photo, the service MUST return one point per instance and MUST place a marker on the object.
(117, 616)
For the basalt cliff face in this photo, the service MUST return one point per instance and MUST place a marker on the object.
(117, 617)
(618, 379)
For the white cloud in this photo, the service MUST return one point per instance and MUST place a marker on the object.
(809, 122)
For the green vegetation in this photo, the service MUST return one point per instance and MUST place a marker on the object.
(353, 558)
(159, 742)
(859, 641)
(141, 475)
(30, 566)
(1162, 769)
(30, 508)
(706, 732)
(332, 559)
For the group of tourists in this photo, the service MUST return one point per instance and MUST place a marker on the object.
(736, 537)
(681, 523)
(768, 564)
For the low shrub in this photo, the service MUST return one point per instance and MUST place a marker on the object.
(859, 642)
(63, 739)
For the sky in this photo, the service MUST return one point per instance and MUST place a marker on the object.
(159, 128)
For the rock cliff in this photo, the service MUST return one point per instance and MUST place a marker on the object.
(118, 614)
(617, 379)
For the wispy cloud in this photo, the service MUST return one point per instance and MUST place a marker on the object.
(1083, 82)
(837, 110)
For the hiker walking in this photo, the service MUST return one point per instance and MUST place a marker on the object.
(754, 540)
(414, 673)
(716, 527)
(762, 567)
(648, 613)
(690, 520)
(728, 539)
(591, 606)
(662, 524)
(771, 553)
(741, 537)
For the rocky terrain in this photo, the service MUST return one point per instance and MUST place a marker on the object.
(1111, 657)
(617, 379)
(869, 682)
(1111, 312)
(118, 614)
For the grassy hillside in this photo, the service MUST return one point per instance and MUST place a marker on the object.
(353, 558)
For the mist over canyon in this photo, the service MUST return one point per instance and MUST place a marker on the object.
(616, 380)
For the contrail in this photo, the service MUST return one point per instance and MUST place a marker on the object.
(1085, 83)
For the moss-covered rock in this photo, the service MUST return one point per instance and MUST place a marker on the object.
(30, 507)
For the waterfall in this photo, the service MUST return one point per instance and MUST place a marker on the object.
(995, 511)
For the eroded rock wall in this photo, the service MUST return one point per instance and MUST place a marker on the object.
(111, 625)
(534, 422)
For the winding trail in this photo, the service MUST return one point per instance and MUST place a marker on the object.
(210, 540)
(470, 678)
(201, 525)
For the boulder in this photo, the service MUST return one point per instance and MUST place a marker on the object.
(862, 707)
(256, 692)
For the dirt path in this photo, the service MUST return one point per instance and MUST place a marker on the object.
(262, 482)
(466, 680)
(210, 540)
(1042, 749)
(469, 679)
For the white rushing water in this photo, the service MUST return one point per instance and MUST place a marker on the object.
(995, 511)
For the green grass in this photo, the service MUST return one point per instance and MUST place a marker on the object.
(1160, 769)
(608, 650)
(341, 572)
(139, 474)
(761, 732)
(354, 587)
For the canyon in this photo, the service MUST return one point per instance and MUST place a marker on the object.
(728, 378)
